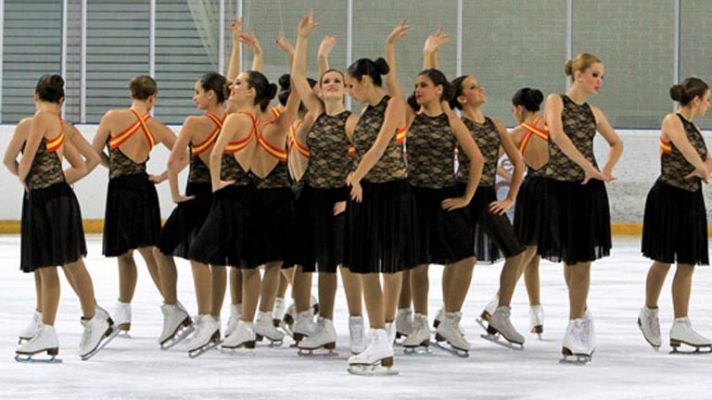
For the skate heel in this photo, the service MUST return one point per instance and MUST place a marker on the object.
(276, 322)
(387, 362)
(485, 316)
(492, 331)
(674, 343)
(250, 344)
(125, 327)
(53, 351)
(439, 338)
(259, 337)
(298, 337)
(565, 351)
(330, 346)
(288, 319)
(538, 329)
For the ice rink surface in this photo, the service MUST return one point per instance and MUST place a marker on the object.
(623, 367)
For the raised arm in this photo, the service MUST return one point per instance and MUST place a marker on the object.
(675, 131)
(233, 69)
(299, 67)
(284, 44)
(391, 78)
(552, 110)
(614, 141)
(392, 120)
(469, 147)
(325, 47)
(431, 48)
(250, 40)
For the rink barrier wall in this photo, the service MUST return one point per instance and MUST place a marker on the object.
(635, 174)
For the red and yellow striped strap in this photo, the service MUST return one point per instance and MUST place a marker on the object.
(54, 144)
(532, 130)
(665, 146)
(122, 137)
(205, 145)
(237, 145)
(275, 151)
(401, 133)
(293, 141)
(351, 152)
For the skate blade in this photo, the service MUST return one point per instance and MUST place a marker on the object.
(371, 370)
(498, 339)
(418, 351)
(178, 337)
(198, 352)
(317, 353)
(272, 342)
(572, 358)
(689, 349)
(244, 347)
(108, 338)
(31, 359)
(449, 349)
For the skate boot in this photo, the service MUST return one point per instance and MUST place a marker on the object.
(501, 325)
(377, 359)
(324, 338)
(682, 333)
(439, 317)
(242, 336)
(122, 317)
(235, 313)
(590, 332)
(290, 316)
(404, 322)
(391, 331)
(487, 312)
(536, 320)
(31, 329)
(278, 311)
(576, 343)
(264, 328)
(304, 325)
(649, 324)
(44, 341)
(450, 336)
(206, 337)
(98, 332)
(357, 334)
(418, 342)
(177, 325)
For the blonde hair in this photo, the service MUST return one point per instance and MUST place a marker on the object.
(581, 62)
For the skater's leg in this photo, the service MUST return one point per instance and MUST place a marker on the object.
(531, 280)
(127, 276)
(391, 294)
(579, 282)
(285, 280)
(405, 296)
(270, 284)
(50, 294)
(459, 276)
(202, 281)
(301, 289)
(373, 296)
(353, 290)
(84, 286)
(681, 289)
(235, 285)
(251, 282)
(218, 274)
(654, 283)
(511, 271)
(38, 291)
(147, 254)
(418, 286)
(327, 294)
(168, 276)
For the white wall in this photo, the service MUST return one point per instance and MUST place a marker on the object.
(636, 172)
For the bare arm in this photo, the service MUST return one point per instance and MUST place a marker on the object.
(515, 157)
(250, 40)
(286, 47)
(78, 168)
(391, 78)
(299, 67)
(233, 69)
(477, 162)
(38, 128)
(392, 120)
(180, 158)
(19, 137)
(675, 131)
(431, 48)
(91, 156)
(325, 47)
(553, 109)
(614, 141)
(100, 138)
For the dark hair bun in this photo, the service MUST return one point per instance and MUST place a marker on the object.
(272, 91)
(382, 66)
(677, 93)
(528, 98)
(284, 82)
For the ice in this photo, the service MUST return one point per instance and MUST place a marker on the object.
(624, 367)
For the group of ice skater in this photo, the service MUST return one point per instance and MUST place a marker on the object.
(310, 187)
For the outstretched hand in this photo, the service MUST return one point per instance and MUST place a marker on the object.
(236, 29)
(399, 31)
(326, 45)
(436, 41)
(307, 24)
